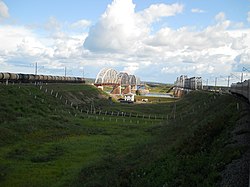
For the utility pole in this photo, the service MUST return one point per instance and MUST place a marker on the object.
(228, 81)
(207, 84)
(36, 68)
(82, 72)
(215, 83)
(65, 71)
(241, 77)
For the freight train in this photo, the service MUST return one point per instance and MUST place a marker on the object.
(31, 78)
(242, 89)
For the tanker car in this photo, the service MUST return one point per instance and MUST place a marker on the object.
(31, 78)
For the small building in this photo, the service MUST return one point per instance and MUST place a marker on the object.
(130, 97)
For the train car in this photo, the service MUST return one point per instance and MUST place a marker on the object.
(31, 78)
(13, 77)
(242, 89)
(6, 76)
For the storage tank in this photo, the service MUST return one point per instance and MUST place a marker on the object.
(50, 78)
(31, 77)
(53, 78)
(60, 78)
(37, 77)
(45, 77)
(41, 77)
(64, 79)
(56, 78)
(1, 76)
(67, 79)
(6, 76)
(72, 79)
(13, 76)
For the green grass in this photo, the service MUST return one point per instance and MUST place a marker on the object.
(158, 88)
(44, 142)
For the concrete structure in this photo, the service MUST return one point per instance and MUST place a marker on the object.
(122, 82)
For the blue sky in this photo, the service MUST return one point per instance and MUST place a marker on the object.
(29, 11)
(157, 40)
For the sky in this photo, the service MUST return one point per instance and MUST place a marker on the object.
(156, 40)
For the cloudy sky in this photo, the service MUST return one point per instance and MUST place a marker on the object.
(156, 40)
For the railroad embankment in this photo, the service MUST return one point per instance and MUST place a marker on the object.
(74, 135)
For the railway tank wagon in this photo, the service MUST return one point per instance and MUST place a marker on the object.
(31, 78)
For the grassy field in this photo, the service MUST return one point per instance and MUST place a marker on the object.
(158, 88)
(63, 140)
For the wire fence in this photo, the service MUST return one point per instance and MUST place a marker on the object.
(120, 116)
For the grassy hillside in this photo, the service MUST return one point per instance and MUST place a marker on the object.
(63, 140)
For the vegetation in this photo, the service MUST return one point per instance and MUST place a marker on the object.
(45, 142)
(158, 87)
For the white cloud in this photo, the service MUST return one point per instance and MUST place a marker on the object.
(156, 11)
(185, 38)
(53, 24)
(210, 51)
(4, 11)
(117, 29)
(131, 68)
(11, 37)
(19, 45)
(82, 24)
(220, 17)
(248, 16)
(121, 29)
(197, 10)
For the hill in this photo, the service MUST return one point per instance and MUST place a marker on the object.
(74, 135)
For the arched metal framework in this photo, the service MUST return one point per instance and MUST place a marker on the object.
(111, 76)
(123, 79)
(106, 75)
(132, 80)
